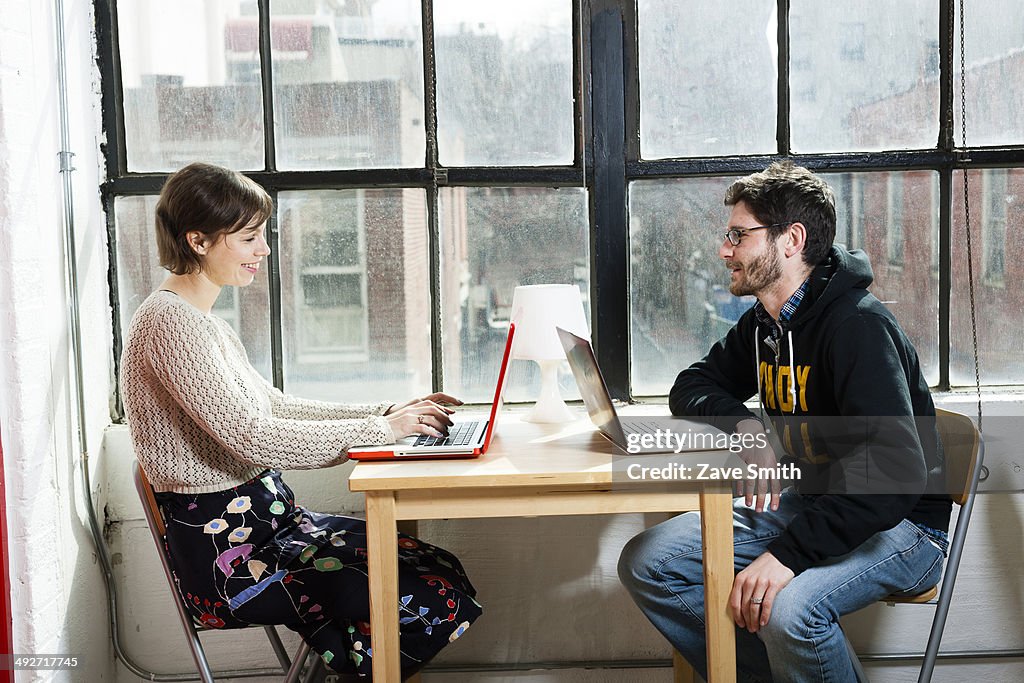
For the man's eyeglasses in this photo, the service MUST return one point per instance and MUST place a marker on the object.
(734, 235)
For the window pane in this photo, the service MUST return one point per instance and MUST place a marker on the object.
(894, 218)
(707, 77)
(247, 309)
(355, 294)
(864, 75)
(348, 83)
(679, 289)
(997, 204)
(492, 240)
(995, 74)
(680, 302)
(504, 82)
(182, 99)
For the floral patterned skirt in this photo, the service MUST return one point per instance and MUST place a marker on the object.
(249, 555)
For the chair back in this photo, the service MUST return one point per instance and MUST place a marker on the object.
(149, 505)
(961, 444)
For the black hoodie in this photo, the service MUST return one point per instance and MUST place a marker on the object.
(851, 360)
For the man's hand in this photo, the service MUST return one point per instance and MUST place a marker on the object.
(762, 491)
(754, 591)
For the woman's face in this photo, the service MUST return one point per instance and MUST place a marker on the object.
(234, 258)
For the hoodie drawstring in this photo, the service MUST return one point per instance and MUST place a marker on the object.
(757, 371)
(792, 373)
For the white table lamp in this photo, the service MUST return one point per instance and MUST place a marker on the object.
(536, 310)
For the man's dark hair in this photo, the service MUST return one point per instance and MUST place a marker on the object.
(786, 193)
(209, 199)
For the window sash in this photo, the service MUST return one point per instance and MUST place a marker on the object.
(604, 170)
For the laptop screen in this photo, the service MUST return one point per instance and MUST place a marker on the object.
(499, 390)
(588, 376)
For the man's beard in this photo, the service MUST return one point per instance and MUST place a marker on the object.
(759, 274)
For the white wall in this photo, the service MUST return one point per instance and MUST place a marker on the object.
(57, 596)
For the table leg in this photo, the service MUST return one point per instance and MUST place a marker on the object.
(716, 532)
(382, 567)
(682, 672)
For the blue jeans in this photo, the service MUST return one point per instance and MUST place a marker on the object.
(662, 569)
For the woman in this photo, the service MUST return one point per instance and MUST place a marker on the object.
(211, 434)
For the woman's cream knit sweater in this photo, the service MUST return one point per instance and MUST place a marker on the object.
(202, 419)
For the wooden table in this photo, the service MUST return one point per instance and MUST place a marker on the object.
(532, 470)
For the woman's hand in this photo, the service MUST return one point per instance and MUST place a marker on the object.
(438, 398)
(422, 416)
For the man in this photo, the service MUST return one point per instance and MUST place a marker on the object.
(840, 385)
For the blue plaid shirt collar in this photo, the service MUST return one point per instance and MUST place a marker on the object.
(788, 309)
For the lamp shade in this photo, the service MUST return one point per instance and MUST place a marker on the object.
(536, 310)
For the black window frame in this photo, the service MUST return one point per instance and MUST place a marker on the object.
(606, 160)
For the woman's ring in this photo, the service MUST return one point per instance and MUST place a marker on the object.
(419, 418)
(756, 601)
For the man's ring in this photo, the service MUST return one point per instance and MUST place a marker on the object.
(756, 601)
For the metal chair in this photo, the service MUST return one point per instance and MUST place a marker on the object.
(291, 668)
(965, 453)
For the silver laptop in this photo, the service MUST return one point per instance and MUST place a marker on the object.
(632, 435)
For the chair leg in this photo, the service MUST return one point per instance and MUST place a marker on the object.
(196, 646)
(316, 665)
(297, 661)
(858, 670)
(278, 647)
(682, 672)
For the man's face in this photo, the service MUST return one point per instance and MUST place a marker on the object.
(755, 263)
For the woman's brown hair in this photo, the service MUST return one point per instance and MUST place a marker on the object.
(209, 199)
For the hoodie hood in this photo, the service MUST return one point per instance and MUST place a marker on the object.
(840, 272)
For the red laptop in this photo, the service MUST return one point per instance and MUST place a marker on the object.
(465, 439)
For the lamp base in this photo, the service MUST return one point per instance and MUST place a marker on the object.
(549, 408)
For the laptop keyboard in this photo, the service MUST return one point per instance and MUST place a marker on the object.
(459, 434)
(639, 427)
